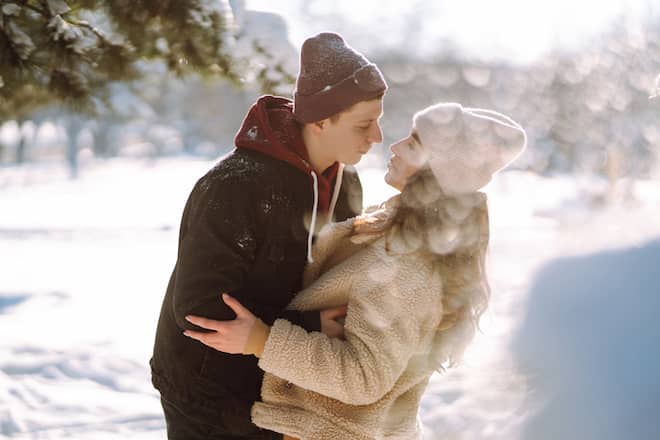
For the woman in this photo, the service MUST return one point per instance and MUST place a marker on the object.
(412, 273)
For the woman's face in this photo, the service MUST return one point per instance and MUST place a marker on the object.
(407, 157)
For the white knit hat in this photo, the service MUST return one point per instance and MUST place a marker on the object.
(656, 92)
(466, 146)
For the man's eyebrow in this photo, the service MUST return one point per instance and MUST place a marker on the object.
(416, 137)
(369, 118)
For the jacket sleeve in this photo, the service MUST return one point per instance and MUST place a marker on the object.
(384, 325)
(216, 252)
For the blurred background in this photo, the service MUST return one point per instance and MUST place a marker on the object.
(110, 111)
(577, 75)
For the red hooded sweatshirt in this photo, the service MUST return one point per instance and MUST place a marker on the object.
(270, 128)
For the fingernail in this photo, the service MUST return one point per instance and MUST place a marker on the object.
(188, 318)
(186, 333)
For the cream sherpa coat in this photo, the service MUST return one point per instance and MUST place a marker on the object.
(369, 385)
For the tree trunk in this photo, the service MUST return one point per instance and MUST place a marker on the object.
(102, 146)
(73, 127)
(20, 147)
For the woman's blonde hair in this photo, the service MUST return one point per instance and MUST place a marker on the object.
(453, 231)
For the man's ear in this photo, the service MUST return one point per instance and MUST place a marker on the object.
(318, 126)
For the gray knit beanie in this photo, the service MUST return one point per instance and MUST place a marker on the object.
(333, 76)
(467, 146)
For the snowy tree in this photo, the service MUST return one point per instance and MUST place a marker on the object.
(71, 50)
(92, 58)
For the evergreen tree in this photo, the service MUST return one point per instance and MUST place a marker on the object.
(70, 50)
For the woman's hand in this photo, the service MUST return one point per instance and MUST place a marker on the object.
(228, 336)
(330, 324)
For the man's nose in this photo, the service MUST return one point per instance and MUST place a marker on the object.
(375, 134)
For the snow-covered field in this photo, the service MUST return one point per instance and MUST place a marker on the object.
(84, 265)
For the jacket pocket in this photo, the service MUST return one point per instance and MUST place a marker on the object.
(233, 373)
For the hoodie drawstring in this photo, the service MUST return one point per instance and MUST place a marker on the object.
(312, 225)
(335, 194)
(333, 204)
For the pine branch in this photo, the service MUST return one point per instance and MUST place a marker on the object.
(28, 5)
(53, 48)
(85, 25)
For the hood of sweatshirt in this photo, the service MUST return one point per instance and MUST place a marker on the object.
(270, 128)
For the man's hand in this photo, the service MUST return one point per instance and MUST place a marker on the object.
(228, 336)
(329, 324)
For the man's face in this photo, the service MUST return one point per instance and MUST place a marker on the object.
(353, 133)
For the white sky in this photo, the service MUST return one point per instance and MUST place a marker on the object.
(515, 29)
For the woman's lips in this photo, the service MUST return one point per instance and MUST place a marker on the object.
(390, 163)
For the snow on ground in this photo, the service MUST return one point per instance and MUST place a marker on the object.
(84, 265)
(588, 346)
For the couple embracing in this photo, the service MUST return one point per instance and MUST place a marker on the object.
(292, 312)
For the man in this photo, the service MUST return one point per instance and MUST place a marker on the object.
(247, 229)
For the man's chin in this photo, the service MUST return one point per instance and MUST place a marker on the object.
(353, 160)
